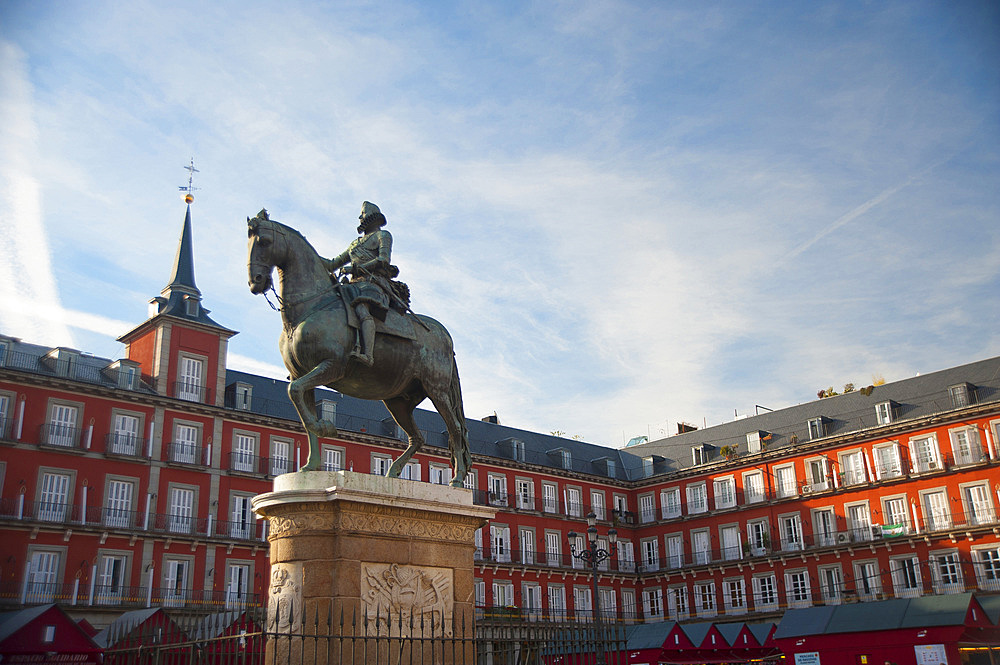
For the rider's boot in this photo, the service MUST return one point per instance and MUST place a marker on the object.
(366, 357)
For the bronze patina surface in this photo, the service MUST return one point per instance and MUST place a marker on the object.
(324, 318)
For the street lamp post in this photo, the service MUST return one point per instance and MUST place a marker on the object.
(594, 555)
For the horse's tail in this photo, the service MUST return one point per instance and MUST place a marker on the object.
(455, 393)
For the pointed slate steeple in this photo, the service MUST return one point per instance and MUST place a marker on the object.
(182, 277)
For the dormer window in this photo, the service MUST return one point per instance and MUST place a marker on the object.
(517, 450)
(63, 362)
(699, 454)
(127, 377)
(3, 354)
(647, 467)
(567, 459)
(244, 396)
(883, 413)
(754, 440)
(961, 395)
(611, 468)
(817, 428)
(327, 410)
(191, 306)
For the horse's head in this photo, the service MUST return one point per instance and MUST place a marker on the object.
(261, 234)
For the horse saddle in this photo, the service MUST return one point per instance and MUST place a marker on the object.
(395, 323)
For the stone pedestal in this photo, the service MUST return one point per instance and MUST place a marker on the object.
(346, 547)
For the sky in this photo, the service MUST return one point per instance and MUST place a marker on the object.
(628, 214)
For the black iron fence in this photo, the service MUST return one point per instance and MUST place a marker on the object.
(322, 636)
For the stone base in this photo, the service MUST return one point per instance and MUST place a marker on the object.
(395, 552)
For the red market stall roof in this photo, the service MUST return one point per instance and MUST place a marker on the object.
(700, 642)
(645, 642)
(890, 630)
(45, 631)
(150, 625)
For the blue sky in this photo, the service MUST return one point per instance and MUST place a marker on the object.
(627, 213)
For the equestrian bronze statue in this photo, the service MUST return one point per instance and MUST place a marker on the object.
(357, 336)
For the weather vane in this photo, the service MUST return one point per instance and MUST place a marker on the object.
(190, 189)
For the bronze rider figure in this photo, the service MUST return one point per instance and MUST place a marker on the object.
(367, 261)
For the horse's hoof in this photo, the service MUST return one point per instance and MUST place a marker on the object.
(362, 358)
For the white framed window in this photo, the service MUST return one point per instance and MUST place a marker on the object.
(677, 602)
(753, 487)
(557, 601)
(905, 574)
(470, 480)
(597, 504)
(44, 575)
(531, 595)
(852, 466)
(574, 502)
(437, 474)
(765, 592)
(553, 540)
(937, 514)
(380, 464)
(699, 455)
(180, 519)
(758, 536)
(697, 498)
(647, 508)
(126, 439)
(831, 584)
(729, 537)
(650, 555)
(675, 550)
(411, 471)
(478, 538)
(241, 517)
(859, 521)
(724, 490)
(621, 504)
(868, 580)
(582, 608)
(281, 455)
(333, 459)
(326, 409)
(191, 379)
(670, 502)
(118, 503)
(960, 395)
(525, 488)
(753, 442)
(186, 439)
(54, 496)
(575, 547)
(946, 572)
(797, 589)
(62, 430)
(791, 532)
(176, 581)
(817, 474)
(647, 467)
(965, 446)
(550, 502)
(244, 452)
(787, 485)
(887, 461)
(824, 522)
(608, 607)
(626, 556)
(480, 592)
(628, 605)
(6, 402)
(883, 413)
(111, 578)
(734, 595)
(526, 540)
(704, 599)
(817, 428)
(500, 542)
(895, 514)
(987, 564)
(978, 503)
(503, 593)
(701, 548)
(567, 459)
(652, 603)
(243, 396)
(237, 585)
(925, 454)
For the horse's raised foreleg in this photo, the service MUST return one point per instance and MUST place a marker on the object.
(300, 391)
(401, 409)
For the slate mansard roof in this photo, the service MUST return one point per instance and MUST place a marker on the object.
(851, 413)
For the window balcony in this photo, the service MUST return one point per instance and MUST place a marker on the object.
(123, 445)
(248, 463)
(278, 465)
(182, 452)
(191, 392)
(240, 530)
(61, 436)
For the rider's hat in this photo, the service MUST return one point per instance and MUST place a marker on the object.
(370, 215)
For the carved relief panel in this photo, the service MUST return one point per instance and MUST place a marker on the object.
(390, 592)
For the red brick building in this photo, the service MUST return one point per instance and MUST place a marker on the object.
(126, 484)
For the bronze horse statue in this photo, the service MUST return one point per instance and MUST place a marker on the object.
(317, 341)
